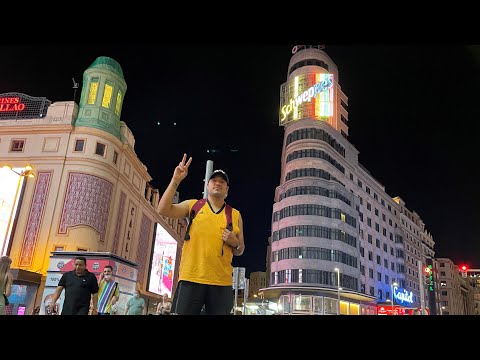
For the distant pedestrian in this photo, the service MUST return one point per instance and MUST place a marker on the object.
(136, 305)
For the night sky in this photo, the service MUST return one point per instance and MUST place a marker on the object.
(412, 111)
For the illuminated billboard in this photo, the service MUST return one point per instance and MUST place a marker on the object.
(309, 95)
(9, 197)
(15, 106)
(162, 267)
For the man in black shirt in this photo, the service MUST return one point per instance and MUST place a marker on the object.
(79, 284)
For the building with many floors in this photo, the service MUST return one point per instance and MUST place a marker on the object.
(340, 243)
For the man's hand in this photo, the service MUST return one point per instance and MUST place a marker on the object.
(181, 171)
(229, 238)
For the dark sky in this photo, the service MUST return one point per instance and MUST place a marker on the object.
(413, 112)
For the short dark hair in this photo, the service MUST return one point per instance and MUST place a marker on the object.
(82, 258)
(108, 266)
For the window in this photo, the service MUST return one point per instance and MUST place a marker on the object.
(377, 243)
(351, 176)
(107, 96)
(362, 251)
(359, 183)
(118, 104)
(369, 207)
(386, 279)
(385, 248)
(100, 149)
(390, 222)
(379, 260)
(376, 212)
(369, 222)
(442, 273)
(367, 189)
(92, 94)
(444, 293)
(372, 290)
(17, 145)
(370, 273)
(382, 202)
(79, 145)
(379, 276)
(442, 264)
(385, 263)
(389, 208)
(370, 239)
(370, 256)
(377, 227)
(380, 294)
(115, 157)
(375, 196)
(384, 218)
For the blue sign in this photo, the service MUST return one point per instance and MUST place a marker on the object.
(402, 296)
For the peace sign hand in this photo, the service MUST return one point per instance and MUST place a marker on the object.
(181, 171)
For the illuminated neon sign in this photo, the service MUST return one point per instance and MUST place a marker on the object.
(402, 296)
(321, 92)
(11, 104)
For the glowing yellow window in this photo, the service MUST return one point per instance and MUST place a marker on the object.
(107, 96)
(92, 94)
(118, 105)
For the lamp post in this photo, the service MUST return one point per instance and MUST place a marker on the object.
(26, 172)
(338, 290)
(393, 284)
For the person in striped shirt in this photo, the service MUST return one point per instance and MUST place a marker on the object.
(108, 292)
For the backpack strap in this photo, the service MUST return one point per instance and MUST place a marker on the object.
(195, 209)
(228, 214)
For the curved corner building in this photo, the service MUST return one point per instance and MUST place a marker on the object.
(317, 224)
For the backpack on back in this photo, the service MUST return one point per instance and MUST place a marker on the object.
(198, 206)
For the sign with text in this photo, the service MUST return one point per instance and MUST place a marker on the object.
(20, 106)
(307, 96)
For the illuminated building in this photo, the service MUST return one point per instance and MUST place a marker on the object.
(90, 191)
(457, 289)
(330, 214)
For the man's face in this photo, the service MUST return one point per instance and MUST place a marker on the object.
(107, 274)
(217, 187)
(80, 267)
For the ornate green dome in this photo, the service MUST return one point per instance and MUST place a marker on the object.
(104, 62)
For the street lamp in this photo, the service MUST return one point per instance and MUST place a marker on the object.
(393, 284)
(338, 290)
(25, 173)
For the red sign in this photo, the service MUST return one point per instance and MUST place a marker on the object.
(11, 104)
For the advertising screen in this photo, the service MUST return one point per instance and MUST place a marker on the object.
(162, 267)
(9, 195)
(309, 95)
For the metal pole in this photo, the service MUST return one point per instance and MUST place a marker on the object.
(393, 308)
(208, 173)
(421, 276)
(338, 290)
(236, 272)
(245, 295)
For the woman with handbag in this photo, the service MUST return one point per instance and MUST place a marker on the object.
(6, 280)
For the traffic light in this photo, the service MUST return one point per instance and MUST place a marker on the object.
(464, 270)
(428, 272)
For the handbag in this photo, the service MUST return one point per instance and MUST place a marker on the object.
(6, 300)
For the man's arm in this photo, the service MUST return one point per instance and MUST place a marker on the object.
(56, 295)
(115, 295)
(166, 206)
(94, 302)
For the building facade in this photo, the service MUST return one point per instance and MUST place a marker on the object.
(336, 233)
(457, 290)
(90, 191)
